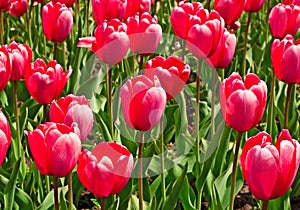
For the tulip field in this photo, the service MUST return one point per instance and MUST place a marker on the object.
(149, 104)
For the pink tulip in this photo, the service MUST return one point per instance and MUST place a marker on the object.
(57, 21)
(243, 103)
(144, 33)
(5, 136)
(143, 102)
(285, 56)
(137, 6)
(4, 5)
(18, 7)
(171, 72)
(110, 43)
(21, 56)
(72, 109)
(68, 3)
(295, 2)
(284, 19)
(108, 10)
(45, 82)
(106, 170)
(270, 170)
(5, 67)
(55, 148)
(253, 5)
(223, 55)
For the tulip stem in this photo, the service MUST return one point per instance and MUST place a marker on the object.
(163, 182)
(109, 100)
(16, 110)
(55, 51)
(56, 205)
(45, 113)
(64, 54)
(213, 98)
(87, 17)
(271, 107)
(70, 191)
(265, 205)
(140, 170)
(208, 5)
(234, 167)
(29, 22)
(246, 44)
(141, 62)
(287, 105)
(183, 43)
(1, 28)
(103, 203)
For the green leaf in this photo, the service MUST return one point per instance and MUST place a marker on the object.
(282, 202)
(48, 203)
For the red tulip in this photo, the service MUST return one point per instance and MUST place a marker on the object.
(143, 102)
(171, 72)
(182, 15)
(270, 170)
(108, 10)
(243, 103)
(253, 5)
(223, 55)
(72, 109)
(45, 82)
(18, 7)
(284, 19)
(285, 56)
(21, 56)
(4, 5)
(230, 10)
(55, 148)
(5, 67)
(57, 21)
(204, 37)
(296, 2)
(110, 43)
(68, 3)
(137, 6)
(144, 33)
(5, 136)
(106, 170)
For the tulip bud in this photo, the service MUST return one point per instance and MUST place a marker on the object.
(5, 67)
(243, 103)
(57, 21)
(5, 136)
(268, 169)
(253, 5)
(45, 82)
(144, 33)
(18, 7)
(106, 170)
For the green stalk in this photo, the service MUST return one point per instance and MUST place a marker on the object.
(271, 107)
(183, 44)
(87, 18)
(234, 168)
(103, 203)
(29, 22)
(16, 109)
(70, 188)
(163, 182)
(208, 5)
(55, 185)
(45, 116)
(245, 44)
(65, 56)
(109, 100)
(141, 62)
(140, 170)
(213, 98)
(265, 205)
(287, 106)
(1, 28)
(55, 51)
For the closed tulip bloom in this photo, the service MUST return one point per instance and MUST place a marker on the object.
(143, 102)
(72, 109)
(268, 169)
(243, 103)
(5, 136)
(57, 21)
(230, 10)
(296, 2)
(253, 5)
(18, 7)
(144, 33)
(204, 37)
(171, 72)
(223, 55)
(106, 170)
(5, 67)
(285, 56)
(68, 3)
(137, 6)
(284, 19)
(4, 5)
(182, 15)
(110, 43)
(108, 10)
(21, 56)
(45, 82)
(55, 148)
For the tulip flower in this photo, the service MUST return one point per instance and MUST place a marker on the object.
(5, 136)
(18, 7)
(253, 5)
(106, 170)
(182, 15)
(143, 102)
(284, 19)
(270, 170)
(137, 6)
(171, 72)
(108, 10)
(55, 148)
(21, 56)
(4, 5)
(285, 56)
(45, 82)
(110, 42)
(144, 33)
(72, 109)
(230, 10)
(223, 55)
(57, 21)
(204, 36)
(5, 67)
(295, 2)
(68, 3)
(243, 103)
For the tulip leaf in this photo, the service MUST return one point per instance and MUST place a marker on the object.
(102, 126)
(282, 202)
(134, 203)
(48, 202)
(3, 98)
(62, 201)
(187, 195)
